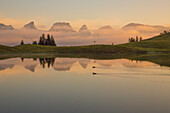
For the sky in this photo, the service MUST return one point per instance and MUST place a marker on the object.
(93, 13)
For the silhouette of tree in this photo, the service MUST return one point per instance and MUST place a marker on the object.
(48, 40)
(53, 41)
(34, 42)
(48, 37)
(42, 40)
(137, 39)
(131, 39)
(141, 39)
(165, 32)
(22, 42)
(22, 59)
(94, 42)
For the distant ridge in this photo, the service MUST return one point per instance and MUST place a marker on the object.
(132, 25)
(6, 27)
(108, 27)
(61, 27)
(84, 30)
(30, 25)
(104, 30)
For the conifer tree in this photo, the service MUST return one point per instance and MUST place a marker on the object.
(22, 42)
(129, 39)
(42, 40)
(140, 38)
(48, 40)
(53, 41)
(34, 42)
(137, 39)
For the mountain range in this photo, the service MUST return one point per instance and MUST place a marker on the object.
(66, 27)
(65, 35)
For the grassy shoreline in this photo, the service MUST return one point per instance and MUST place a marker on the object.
(161, 59)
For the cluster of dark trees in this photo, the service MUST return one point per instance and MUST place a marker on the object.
(48, 61)
(165, 32)
(43, 41)
(49, 41)
(137, 39)
(44, 61)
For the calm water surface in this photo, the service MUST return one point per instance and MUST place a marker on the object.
(72, 85)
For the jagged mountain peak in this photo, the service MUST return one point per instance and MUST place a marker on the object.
(84, 31)
(6, 27)
(83, 28)
(30, 25)
(62, 26)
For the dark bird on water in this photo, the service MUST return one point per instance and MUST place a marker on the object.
(94, 73)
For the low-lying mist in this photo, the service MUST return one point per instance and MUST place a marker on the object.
(62, 38)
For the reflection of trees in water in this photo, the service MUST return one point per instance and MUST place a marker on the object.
(136, 61)
(22, 59)
(48, 61)
(35, 59)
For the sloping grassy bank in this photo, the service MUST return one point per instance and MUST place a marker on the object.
(156, 44)
(159, 43)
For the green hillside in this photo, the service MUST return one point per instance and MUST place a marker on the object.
(159, 43)
(156, 44)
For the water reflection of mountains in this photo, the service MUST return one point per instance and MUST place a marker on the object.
(65, 64)
(59, 64)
